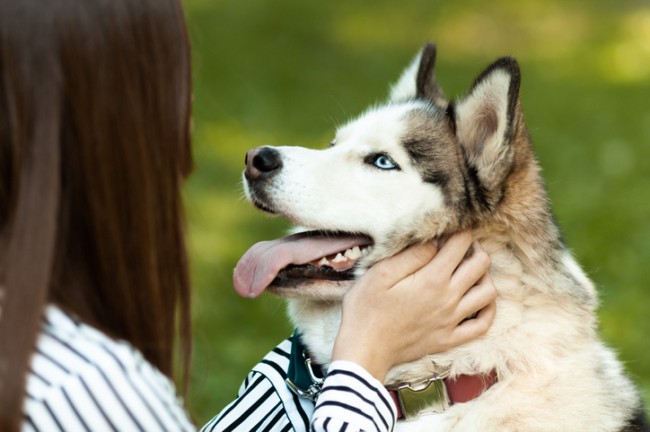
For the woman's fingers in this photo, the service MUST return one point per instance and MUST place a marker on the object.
(433, 276)
(471, 329)
(394, 269)
(476, 298)
(451, 271)
(471, 270)
(451, 254)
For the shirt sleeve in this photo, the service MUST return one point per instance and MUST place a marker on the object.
(257, 407)
(264, 401)
(352, 400)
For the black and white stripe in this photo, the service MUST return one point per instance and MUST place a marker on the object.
(264, 403)
(352, 400)
(81, 380)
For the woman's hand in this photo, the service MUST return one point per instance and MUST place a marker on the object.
(416, 303)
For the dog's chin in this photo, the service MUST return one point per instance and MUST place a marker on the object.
(263, 206)
(313, 283)
(311, 289)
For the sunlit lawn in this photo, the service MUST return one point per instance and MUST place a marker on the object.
(287, 72)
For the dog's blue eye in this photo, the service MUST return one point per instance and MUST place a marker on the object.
(384, 162)
(381, 161)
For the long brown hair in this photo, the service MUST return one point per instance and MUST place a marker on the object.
(94, 145)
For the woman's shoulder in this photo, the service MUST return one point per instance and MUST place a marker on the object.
(67, 347)
(82, 371)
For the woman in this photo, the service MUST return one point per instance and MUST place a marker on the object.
(94, 148)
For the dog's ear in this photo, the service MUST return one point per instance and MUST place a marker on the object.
(426, 84)
(419, 79)
(486, 119)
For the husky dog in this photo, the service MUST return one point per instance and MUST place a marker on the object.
(419, 168)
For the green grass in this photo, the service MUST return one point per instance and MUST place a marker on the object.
(288, 71)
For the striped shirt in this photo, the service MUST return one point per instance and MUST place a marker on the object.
(82, 380)
(351, 400)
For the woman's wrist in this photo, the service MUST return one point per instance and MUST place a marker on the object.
(359, 351)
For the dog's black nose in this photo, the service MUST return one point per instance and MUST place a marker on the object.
(262, 161)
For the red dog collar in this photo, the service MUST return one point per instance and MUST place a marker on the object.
(437, 394)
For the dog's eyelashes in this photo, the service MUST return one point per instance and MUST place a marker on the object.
(381, 161)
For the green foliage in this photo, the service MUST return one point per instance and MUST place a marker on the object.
(286, 72)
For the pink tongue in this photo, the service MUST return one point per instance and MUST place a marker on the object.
(261, 263)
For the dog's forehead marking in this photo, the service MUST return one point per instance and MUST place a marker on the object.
(380, 126)
(430, 144)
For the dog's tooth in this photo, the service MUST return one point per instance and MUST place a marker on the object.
(338, 258)
(323, 261)
(353, 253)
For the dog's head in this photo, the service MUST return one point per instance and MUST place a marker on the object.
(413, 169)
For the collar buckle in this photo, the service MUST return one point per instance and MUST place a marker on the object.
(429, 398)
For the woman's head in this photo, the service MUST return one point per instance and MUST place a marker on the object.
(94, 145)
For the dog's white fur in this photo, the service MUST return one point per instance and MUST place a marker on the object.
(554, 374)
(356, 185)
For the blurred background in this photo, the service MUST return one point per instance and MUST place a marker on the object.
(287, 72)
